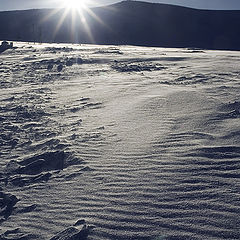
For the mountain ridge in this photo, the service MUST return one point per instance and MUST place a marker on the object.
(128, 22)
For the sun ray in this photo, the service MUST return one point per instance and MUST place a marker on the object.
(88, 29)
(96, 17)
(80, 12)
(60, 22)
(83, 20)
(73, 28)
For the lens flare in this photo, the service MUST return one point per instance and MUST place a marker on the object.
(74, 4)
(79, 12)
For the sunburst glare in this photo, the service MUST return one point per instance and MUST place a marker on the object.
(79, 12)
(75, 4)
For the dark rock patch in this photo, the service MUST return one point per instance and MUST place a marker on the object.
(70, 61)
(231, 107)
(5, 46)
(7, 203)
(38, 168)
(79, 232)
(59, 67)
(79, 60)
(37, 164)
(229, 110)
(26, 209)
(50, 66)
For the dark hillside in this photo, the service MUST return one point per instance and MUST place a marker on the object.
(128, 22)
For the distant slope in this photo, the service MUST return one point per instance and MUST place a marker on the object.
(129, 22)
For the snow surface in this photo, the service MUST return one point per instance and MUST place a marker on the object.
(150, 138)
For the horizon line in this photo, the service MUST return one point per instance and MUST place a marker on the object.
(106, 5)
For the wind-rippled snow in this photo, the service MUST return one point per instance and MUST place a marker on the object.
(151, 138)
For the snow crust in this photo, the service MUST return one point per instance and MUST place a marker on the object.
(142, 143)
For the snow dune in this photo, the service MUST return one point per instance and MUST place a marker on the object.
(142, 143)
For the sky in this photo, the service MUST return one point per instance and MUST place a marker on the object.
(201, 4)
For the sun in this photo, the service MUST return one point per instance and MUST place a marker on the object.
(79, 11)
(74, 4)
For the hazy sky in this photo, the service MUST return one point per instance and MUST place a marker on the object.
(205, 4)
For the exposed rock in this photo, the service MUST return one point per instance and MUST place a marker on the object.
(5, 45)
(53, 160)
(74, 233)
(7, 208)
(60, 67)
(70, 62)
(33, 169)
(7, 203)
(50, 66)
(79, 60)
(12, 167)
(26, 209)
(40, 163)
